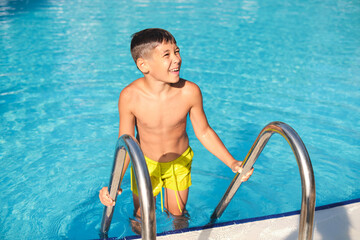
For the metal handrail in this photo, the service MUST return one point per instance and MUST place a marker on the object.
(306, 173)
(126, 144)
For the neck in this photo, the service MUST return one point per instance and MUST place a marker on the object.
(156, 87)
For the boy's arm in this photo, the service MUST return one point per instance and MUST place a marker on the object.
(207, 136)
(126, 120)
(126, 126)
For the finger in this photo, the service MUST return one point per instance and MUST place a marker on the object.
(102, 195)
(237, 169)
(104, 201)
(120, 191)
(244, 178)
(105, 197)
(103, 192)
(250, 172)
(110, 201)
(248, 175)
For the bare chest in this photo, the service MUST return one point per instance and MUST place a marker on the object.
(157, 115)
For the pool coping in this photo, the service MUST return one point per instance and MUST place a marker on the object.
(242, 221)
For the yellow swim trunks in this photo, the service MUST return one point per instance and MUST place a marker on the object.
(175, 175)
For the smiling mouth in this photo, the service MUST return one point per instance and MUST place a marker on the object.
(175, 70)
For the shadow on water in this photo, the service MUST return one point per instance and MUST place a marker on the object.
(10, 8)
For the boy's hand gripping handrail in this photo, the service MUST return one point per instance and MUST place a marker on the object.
(306, 173)
(126, 144)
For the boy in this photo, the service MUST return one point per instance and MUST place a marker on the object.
(157, 105)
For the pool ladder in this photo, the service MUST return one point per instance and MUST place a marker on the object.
(306, 174)
(126, 144)
(147, 204)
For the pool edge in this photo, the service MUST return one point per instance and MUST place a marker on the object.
(242, 221)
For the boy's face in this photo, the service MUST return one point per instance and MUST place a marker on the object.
(164, 63)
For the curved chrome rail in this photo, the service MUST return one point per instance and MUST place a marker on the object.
(306, 173)
(147, 204)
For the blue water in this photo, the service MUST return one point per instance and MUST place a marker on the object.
(64, 63)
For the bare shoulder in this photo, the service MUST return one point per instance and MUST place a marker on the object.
(130, 90)
(129, 93)
(191, 89)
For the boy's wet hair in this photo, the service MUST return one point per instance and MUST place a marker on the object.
(146, 40)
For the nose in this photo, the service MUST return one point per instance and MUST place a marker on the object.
(177, 58)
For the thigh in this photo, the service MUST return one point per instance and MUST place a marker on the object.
(172, 205)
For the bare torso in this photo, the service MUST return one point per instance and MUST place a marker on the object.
(161, 119)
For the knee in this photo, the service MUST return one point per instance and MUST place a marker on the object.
(176, 210)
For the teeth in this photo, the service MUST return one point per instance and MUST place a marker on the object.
(175, 70)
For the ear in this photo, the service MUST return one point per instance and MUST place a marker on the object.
(142, 65)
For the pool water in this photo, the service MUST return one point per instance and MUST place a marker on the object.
(64, 63)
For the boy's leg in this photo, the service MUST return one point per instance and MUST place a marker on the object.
(136, 201)
(136, 205)
(171, 204)
(136, 224)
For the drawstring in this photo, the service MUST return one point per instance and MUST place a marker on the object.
(161, 193)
